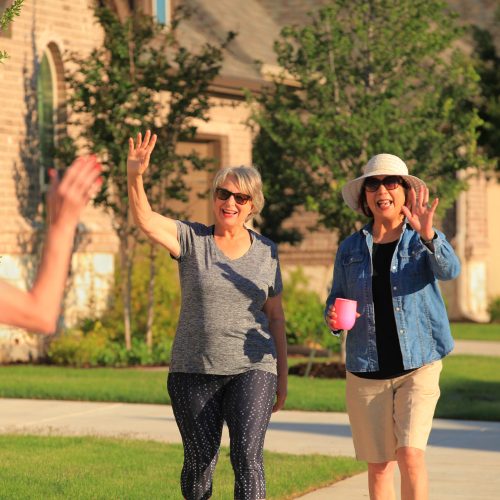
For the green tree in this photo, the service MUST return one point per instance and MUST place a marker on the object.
(488, 67)
(361, 78)
(141, 78)
(6, 17)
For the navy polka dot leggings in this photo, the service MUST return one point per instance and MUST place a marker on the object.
(201, 403)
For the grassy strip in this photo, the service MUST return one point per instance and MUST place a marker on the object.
(127, 385)
(140, 386)
(470, 387)
(475, 331)
(33, 467)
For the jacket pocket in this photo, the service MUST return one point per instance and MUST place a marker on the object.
(354, 267)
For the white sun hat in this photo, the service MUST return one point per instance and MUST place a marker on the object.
(382, 164)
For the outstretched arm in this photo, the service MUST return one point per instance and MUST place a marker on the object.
(38, 309)
(155, 226)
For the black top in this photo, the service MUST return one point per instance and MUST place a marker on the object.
(390, 359)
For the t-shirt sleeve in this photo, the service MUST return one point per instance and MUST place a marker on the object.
(187, 232)
(276, 286)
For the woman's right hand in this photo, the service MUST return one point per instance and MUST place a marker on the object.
(139, 153)
(331, 317)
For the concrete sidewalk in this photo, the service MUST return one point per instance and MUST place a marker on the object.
(480, 347)
(463, 457)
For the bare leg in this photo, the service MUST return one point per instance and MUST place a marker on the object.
(381, 480)
(414, 479)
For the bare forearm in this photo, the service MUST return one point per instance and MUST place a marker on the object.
(277, 328)
(49, 285)
(139, 204)
(155, 226)
(38, 309)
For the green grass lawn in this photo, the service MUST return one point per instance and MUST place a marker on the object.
(132, 385)
(48, 467)
(476, 331)
(124, 385)
(470, 387)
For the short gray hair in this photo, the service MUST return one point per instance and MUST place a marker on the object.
(248, 180)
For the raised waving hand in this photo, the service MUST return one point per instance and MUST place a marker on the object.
(139, 153)
(420, 214)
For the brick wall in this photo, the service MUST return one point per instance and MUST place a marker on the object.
(51, 27)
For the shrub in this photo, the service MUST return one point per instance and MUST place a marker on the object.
(75, 348)
(494, 310)
(304, 314)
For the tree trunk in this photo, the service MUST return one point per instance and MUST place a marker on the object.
(310, 362)
(151, 296)
(126, 268)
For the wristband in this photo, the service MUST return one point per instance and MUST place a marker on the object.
(428, 242)
(336, 333)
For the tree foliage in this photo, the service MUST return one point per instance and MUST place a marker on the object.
(361, 78)
(304, 313)
(6, 18)
(488, 68)
(140, 78)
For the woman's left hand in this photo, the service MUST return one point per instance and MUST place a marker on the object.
(281, 392)
(420, 214)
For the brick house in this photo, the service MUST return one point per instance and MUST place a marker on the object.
(32, 113)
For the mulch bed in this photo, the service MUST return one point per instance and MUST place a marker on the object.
(333, 369)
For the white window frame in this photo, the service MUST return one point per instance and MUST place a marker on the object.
(167, 5)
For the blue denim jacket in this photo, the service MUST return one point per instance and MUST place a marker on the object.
(419, 310)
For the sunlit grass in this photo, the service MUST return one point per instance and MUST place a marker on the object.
(48, 467)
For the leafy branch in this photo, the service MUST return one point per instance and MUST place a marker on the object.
(6, 18)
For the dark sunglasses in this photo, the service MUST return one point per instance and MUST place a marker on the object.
(390, 182)
(239, 198)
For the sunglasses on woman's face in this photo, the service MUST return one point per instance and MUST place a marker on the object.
(390, 182)
(239, 198)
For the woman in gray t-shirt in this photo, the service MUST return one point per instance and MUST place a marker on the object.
(229, 355)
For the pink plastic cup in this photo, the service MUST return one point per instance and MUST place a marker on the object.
(346, 313)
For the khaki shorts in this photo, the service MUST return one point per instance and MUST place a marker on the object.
(388, 414)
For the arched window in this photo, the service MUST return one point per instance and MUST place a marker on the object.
(51, 104)
(46, 125)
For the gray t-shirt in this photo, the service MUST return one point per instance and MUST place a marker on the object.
(222, 328)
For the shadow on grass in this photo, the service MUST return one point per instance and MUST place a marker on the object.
(469, 399)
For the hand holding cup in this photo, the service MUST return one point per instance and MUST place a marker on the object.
(342, 315)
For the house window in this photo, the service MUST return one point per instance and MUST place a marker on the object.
(45, 95)
(161, 11)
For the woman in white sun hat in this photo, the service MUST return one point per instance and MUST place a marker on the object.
(391, 267)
